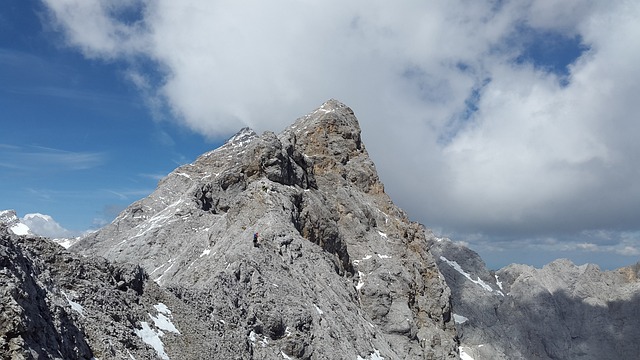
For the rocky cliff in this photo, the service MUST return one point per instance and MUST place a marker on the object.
(337, 271)
(561, 311)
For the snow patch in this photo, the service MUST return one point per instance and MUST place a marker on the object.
(375, 355)
(158, 219)
(20, 229)
(151, 337)
(284, 355)
(360, 280)
(184, 175)
(382, 234)
(320, 312)
(162, 308)
(164, 323)
(157, 280)
(65, 243)
(458, 268)
(381, 256)
(459, 319)
(464, 355)
(205, 252)
(253, 337)
(498, 282)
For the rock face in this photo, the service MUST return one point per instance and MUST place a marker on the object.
(338, 271)
(561, 311)
(56, 305)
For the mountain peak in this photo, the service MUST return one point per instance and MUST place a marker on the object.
(241, 137)
(259, 228)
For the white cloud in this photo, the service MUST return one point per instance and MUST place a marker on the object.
(465, 138)
(45, 225)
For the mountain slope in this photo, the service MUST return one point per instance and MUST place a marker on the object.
(57, 305)
(339, 270)
(561, 311)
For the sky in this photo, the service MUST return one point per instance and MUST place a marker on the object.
(510, 126)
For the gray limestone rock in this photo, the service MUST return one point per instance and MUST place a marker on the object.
(338, 271)
(561, 311)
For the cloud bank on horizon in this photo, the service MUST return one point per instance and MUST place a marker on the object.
(507, 124)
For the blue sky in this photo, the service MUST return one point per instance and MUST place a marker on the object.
(507, 125)
(78, 141)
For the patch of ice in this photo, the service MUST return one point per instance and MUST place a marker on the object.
(151, 337)
(320, 312)
(458, 268)
(459, 319)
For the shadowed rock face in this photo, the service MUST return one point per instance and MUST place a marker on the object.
(561, 311)
(339, 272)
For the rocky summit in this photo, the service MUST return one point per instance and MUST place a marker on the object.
(273, 246)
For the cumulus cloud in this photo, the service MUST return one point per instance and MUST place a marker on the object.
(45, 225)
(469, 135)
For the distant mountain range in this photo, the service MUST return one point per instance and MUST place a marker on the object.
(285, 246)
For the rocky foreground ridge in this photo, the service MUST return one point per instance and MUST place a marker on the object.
(339, 272)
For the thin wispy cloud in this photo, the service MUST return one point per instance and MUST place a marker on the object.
(39, 158)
